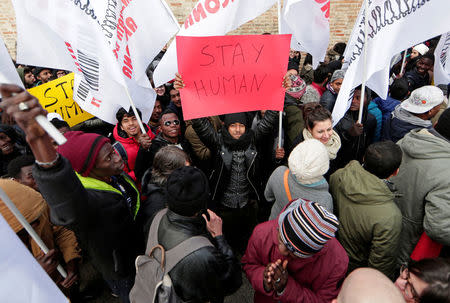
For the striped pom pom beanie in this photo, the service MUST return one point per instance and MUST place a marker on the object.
(305, 227)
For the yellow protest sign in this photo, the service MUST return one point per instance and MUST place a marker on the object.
(56, 96)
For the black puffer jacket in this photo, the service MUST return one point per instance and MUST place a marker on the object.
(154, 202)
(416, 80)
(98, 215)
(206, 275)
(223, 155)
(353, 148)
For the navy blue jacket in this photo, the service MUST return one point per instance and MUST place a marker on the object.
(394, 129)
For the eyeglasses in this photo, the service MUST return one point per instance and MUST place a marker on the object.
(174, 95)
(175, 122)
(410, 292)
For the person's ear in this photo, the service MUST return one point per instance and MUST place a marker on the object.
(396, 172)
(334, 301)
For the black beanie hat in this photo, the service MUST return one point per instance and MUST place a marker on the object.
(235, 118)
(443, 124)
(187, 191)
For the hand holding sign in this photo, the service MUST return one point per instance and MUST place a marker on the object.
(178, 83)
(232, 73)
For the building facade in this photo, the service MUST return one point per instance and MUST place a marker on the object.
(342, 17)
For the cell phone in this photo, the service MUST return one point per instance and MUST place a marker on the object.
(206, 213)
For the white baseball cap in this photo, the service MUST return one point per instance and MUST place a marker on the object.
(423, 99)
(51, 116)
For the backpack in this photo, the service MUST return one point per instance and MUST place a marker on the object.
(153, 283)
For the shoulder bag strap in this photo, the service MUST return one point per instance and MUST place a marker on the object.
(185, 248)
(152, 240)
(286, 185)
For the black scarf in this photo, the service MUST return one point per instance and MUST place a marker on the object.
(237, 144)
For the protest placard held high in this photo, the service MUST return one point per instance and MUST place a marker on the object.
(57, 96)
(226, 74)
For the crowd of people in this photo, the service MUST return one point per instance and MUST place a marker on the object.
(333, 214)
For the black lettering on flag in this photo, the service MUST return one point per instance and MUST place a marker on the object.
(82, 91)
(90, 68)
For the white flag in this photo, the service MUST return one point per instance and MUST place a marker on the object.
(393, 26)
(22, 279)
(8, 73)
(108, 45)
(441, 70)
(209, 18)
(308, 22)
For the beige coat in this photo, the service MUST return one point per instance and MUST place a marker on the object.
(33, 207)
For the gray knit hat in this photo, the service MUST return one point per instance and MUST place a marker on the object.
(310, 95)
(338, 74)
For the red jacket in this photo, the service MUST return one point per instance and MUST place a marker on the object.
(131, 146)
(311, 280)
(319, 89)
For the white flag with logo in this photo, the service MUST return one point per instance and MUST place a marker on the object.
(22, 278)
(107, 44)
(393, 26)
(210, 18)
(8, 73)
(441, 71)
(308, 22)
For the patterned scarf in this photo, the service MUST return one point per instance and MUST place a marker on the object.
(330, 88)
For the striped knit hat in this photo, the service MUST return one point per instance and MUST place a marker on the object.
(305, 227)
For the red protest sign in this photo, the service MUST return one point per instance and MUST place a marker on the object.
(229, 74)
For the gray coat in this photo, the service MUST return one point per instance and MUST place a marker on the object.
(328, 100)
(276, 193)
(424, 184)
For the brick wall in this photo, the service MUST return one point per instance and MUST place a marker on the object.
(8, 26)
(342, 18)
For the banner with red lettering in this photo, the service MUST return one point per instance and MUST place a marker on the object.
(108, 44)
(229, 74)
(210, 18)
(308, 22)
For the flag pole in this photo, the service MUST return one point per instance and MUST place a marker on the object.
(364, 79)
(51, 130)
(280, 118)
(28, 227)
(403, 63)
(138, 118)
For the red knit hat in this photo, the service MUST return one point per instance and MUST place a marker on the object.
(82, 149)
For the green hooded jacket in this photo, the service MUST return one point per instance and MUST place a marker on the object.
(370, 222)
(424, 184)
